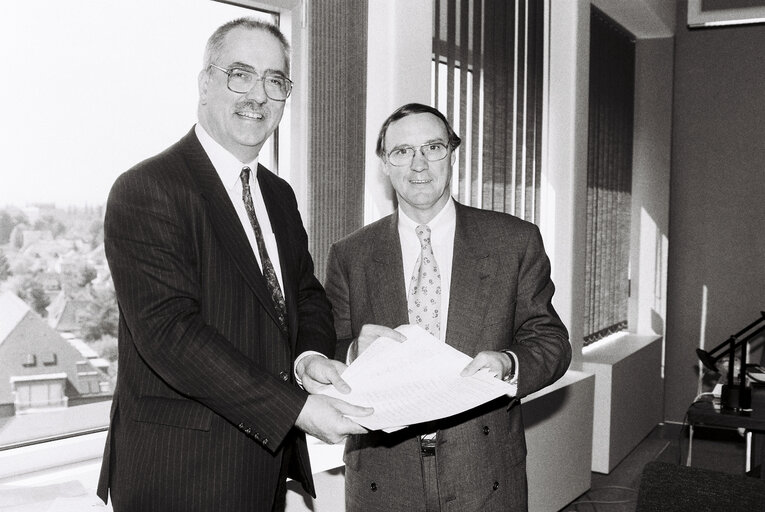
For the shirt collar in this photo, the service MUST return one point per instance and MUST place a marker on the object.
(227, 165)
(443, 219)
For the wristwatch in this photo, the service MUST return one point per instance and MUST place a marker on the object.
(510, 374)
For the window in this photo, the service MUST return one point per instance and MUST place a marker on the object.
(49, 359)
(91, 88)
(39, 392)
(609, 177)
(88, 378)
(487, 79)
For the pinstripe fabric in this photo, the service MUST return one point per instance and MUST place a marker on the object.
(500, 298)
(204, 401)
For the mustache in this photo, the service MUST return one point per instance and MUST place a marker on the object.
(253, 107)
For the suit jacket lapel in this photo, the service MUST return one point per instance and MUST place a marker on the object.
(283, 234)
(225, 221)
(385, 277)
(473, 270)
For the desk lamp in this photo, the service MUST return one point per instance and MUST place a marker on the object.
(733, 396)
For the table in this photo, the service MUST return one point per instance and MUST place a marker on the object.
(704, 413)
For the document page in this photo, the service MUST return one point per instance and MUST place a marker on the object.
(415, 381)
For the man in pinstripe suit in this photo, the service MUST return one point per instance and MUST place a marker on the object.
(209, 413)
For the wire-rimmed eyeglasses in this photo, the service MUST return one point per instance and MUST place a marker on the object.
(240, 81)
(403, 155)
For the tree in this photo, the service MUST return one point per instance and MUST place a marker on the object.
(6, 226)
(50, 223)
(40, 300)
(106, 347)
(34, 295)
(5, 266)
(96, 231)
(86, 275)
(18, 236)
(101, 316)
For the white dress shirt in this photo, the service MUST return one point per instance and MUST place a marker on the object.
(442, 229)
(229, 168)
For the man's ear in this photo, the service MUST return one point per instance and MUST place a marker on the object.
(203, 80)
(453, 156)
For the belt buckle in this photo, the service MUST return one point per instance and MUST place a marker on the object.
(427, 447)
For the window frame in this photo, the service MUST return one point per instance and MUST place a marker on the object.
(288, 149)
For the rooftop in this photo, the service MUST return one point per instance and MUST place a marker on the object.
(12, 311)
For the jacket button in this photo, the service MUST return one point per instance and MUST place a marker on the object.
(285, 376)
(265, 442)
(486, 430)
(247, 430)
(373, 486)
(495, 486)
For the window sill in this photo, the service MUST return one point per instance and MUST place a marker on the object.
(58, 475)
(614, 348)
(63, 475)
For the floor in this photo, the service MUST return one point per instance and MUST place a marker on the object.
(716, 449)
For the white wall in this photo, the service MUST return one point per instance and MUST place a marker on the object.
(564, 167)
(567, 158)
(400, 51)
(650, 185)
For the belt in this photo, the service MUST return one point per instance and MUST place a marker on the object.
(427, 446)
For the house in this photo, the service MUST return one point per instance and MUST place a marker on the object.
(66, 314)
(39, 369)
(87, 352)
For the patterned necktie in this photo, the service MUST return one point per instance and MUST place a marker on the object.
(425, 288)
(268, 268)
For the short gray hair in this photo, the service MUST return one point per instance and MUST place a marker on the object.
(214, 45)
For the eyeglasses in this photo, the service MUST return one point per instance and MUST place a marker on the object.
(240, 81)
(404, 155)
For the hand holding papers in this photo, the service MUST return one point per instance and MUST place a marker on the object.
(414, 381)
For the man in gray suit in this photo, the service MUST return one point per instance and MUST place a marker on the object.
(221, 316)
(478, 280)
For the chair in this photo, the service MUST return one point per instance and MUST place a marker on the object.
(666, 487)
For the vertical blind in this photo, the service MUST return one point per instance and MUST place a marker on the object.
(487, 79)
(609, 177)
(337, 109)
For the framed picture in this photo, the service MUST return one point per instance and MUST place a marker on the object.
(716, 13)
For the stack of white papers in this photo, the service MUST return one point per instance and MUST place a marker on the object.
(415, 381)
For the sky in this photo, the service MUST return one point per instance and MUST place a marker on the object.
(89, 88)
